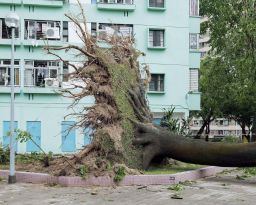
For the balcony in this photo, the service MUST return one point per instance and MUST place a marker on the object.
(7, 89)
(16, 2)
(47, 3)
(117, 5)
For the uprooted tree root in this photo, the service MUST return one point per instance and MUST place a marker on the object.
(112, 77)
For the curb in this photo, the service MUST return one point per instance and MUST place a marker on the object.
(106, 181)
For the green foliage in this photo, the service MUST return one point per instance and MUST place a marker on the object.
(212, 83)
(173, 168)
(231, 139)
(250, 171)
(4, 155)
(23, 136)
(83, 171)
(233, 39)
(247, 172)
(174, 125)
(176, 187)
(119, 173)
(34, 157)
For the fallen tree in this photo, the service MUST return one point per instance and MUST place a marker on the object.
(112, 76)
(159, 142)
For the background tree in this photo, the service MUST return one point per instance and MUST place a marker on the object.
(233, 38)
(212, 83)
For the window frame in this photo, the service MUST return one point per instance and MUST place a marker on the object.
(98, 29)
(164, 39)
(197, 9)
(17, 70)
(190, 80)
(48, 68)
(157, 7)
(197, 41)
(2, 24)
(158, 90)
(114, 2)
(28, 36)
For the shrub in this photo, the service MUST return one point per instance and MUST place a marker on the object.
(4, 155)
(231, 139)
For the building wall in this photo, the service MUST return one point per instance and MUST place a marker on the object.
(174, 60)
(219, 128)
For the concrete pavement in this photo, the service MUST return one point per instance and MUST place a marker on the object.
(223, 189)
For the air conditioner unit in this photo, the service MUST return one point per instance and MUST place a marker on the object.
(51, 82)
(52, 33)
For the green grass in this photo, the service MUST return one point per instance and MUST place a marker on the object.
(172, 169)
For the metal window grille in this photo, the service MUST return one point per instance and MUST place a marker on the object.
(156, 3)
(156, 38)
(194, 8)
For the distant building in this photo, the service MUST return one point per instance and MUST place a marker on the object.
(166, 31)
(219, 128)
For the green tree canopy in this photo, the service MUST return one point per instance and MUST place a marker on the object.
(232, 64)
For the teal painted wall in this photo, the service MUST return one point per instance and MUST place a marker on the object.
(174, 61)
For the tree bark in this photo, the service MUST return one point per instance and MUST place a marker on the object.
(253, 129)
(159, 142)
(245, 137)
(207, 122)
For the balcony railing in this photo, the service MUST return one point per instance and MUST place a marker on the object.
(121, 5)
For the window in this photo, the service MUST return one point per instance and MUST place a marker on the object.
(226, 123)
(157, 83)
(43, 30)
(65, 72)
(116, 1)
(5, 32)
(220, 132)
(156, 38)
(193, 40)
(156, 3)
(193, 79)
(42, 73)
(106, 30)
(65, 31)
(94, 30)
(5, 72)
(194, 7)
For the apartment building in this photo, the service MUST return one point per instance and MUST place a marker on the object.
(219, 128)
(166, 31)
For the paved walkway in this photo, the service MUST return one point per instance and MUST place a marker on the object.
(224, 189)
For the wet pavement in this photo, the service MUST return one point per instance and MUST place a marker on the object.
(222, 189)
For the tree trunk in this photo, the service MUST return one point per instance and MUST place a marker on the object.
(253, 130)
(159, 142)
(207, 121)
(207, 132)
(245, 137)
